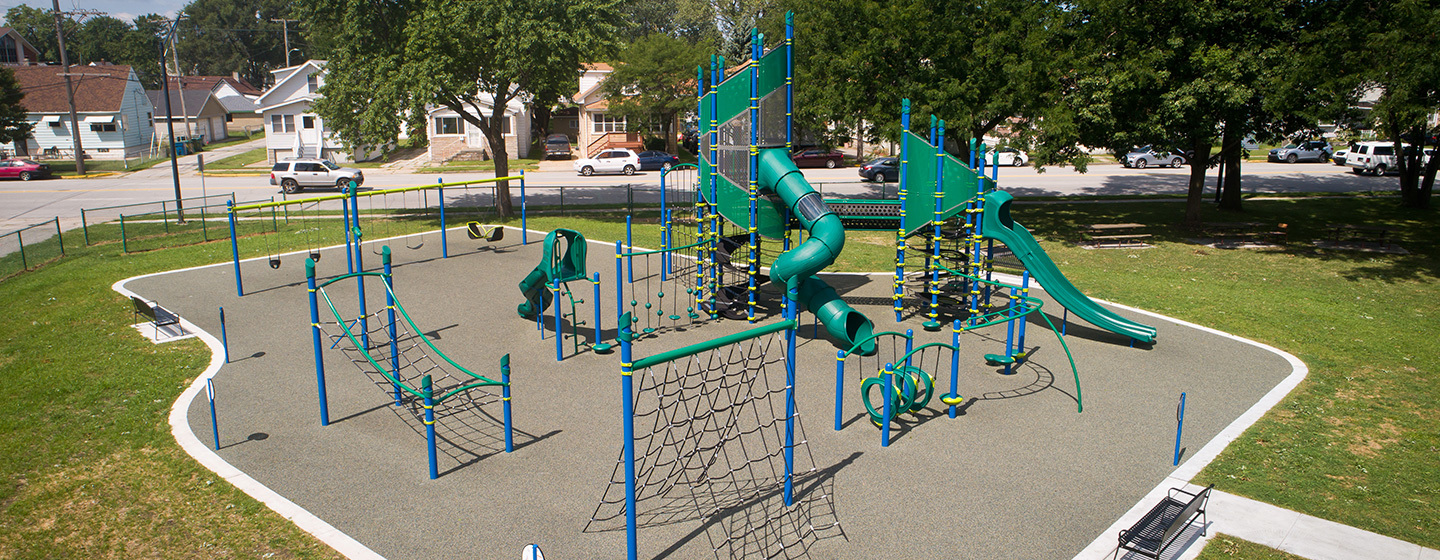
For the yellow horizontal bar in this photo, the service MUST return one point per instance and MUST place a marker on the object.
(260, 205)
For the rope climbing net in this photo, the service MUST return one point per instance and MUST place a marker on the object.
(709, 445)
(387, 346)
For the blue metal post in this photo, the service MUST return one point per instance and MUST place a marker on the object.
(394, 335)
(1179, 425)
(753, 266)
(355, 224)
(599, 346)
(619, 286)
(505, 397)
(214, 425)
(909, 345)
(428, 391)
(1010, 313)
(224, 340)
(899, 287)
(664, 244)
(364, 317)
(234, 248)
(794, 314)
(524, 231)
(315, 337)
(789, 80)
(933, 260)
(889, 377)
(349, 244)
(627, 419)
(717, 65)
(629, 247)
(559, 337)
(444, 245)
(839, 386)
(1020, 354)
(954, 364)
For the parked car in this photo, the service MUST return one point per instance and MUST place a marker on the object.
(1146, 156)
(656, 159)
(1374, 158)
(1313, 150)
(557, 146)
(1338, 158)
(23, 169)
(881, 170)
(1011, 157)
(295, 174)
(614, 160)
(818, 158)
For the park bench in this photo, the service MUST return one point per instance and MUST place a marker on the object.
(1350, 233)
(1113, 237)
(1159, 529)
(156, 315)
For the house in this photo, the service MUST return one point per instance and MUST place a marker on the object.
(452, 138)
(236, 95)
(291, 129)
(194, 112)
(600, 130)
(16, 51)
(116, 117)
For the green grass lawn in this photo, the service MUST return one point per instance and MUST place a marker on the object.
(1226, 547)
(516, 164)
(92, 470)
(239, 161)
(66, 167)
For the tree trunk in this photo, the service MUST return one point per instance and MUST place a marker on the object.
(1230, 151)
(1200, 157)
(1412, 193)
(502, 169)
(671, 146)
(540, 115)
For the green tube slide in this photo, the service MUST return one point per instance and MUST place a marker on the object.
(537, 294)
(796, 268)
(998, 225)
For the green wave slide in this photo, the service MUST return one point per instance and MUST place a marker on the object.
(796, 268)
(553, 266)
(998, 225)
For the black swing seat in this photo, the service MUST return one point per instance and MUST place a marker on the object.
(478, 231)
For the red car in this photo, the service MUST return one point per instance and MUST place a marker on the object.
(818, 158)
(23, 169)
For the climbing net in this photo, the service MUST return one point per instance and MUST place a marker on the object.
(710, 445)
(397, 357)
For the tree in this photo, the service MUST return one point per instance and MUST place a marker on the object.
(14, 127)
(38, 27)
(398, 58)
(1401, 54)
(653, 82)
(224, 36)
(978, 65)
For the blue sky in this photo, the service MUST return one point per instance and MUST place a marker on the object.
(122, 9)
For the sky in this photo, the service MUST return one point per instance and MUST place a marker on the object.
(121, 9)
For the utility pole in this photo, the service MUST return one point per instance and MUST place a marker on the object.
(170, 117)
(69, 89)
(180, 83)
(284, 23)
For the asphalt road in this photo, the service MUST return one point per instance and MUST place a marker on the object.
(24, 203)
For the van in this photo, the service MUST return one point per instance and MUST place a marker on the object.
(1372, 158)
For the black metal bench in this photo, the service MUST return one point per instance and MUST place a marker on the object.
(158, 316)
(1160, 527)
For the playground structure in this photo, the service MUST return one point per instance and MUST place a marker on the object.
(406, 365)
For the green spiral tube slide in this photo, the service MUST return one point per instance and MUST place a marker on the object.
(797, 267)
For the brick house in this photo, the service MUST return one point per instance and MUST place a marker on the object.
(451, 138)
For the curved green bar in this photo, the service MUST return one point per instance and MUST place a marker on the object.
(796, 268)
(999, 226)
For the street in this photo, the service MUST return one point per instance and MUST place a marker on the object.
(29, 202)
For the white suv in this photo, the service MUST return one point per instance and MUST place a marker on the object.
(613, 160)
(294, 174)
(1375, 158)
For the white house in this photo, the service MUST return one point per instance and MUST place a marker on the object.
(451, 137)
(196, 112)
(236, 95)
(116, 118)
(291, 129)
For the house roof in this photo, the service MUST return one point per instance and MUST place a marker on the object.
(194, 101)
(98, 89)
(25, 46)
(283, 75)
(213, 82)
(598, 66)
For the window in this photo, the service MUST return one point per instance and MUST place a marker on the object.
(7, 50)
(281, 167)
(447, 125)
(606, 123)
(229, 117)
(504, 124)
(313, 81)
(308, 167)
(282, 123)
(307, 121)
(102, 127)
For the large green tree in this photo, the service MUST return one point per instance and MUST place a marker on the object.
(977, 65)
(1404, 65)
(654, 82)
(220, 37)
(38, 27)
(14, 127)
(398, 58)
